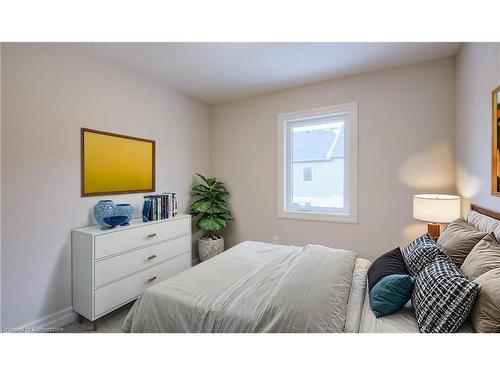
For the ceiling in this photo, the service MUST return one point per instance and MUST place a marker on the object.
(220, 72)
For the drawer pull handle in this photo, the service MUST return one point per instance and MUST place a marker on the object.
(152, 279)
(151, 257)
(151, 235)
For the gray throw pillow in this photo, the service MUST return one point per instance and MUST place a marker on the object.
(458, 239)
(484, 257)
(485, 315)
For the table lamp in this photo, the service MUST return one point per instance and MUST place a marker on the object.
(436, 209)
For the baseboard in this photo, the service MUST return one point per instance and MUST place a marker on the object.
(55, 320)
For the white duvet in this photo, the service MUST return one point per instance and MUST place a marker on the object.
(252, 287)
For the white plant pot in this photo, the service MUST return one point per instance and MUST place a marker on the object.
(208, 248)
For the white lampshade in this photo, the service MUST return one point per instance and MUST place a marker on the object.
(436, 208)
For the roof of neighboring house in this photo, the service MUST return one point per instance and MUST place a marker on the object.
(317, 145)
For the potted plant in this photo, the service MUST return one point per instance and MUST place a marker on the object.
(211, 206)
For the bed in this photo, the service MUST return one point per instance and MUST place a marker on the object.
(256, 287)
(261, 287)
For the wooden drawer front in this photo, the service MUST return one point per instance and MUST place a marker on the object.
(122, 265)
(123, 240)
(114, 294)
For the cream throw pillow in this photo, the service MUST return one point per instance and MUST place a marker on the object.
(458, 239)
(485, 315)
(484, 257)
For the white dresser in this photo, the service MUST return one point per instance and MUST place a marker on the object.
(113, 266)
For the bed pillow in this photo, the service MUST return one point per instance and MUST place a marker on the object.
(484, 257)
(390, 294)
(390, 263)
(419, 253)
(458, 239)
(442, 297)
(485, 315)
(482, 222)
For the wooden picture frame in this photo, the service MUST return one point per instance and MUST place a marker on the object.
(495, 144)
(104, 168)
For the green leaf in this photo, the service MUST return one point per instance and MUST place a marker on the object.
(214, 210)
(218, 186)
(218, 209)
(211, 223)
(220, 201)
(200, 190)
(225, 216)
(208, 180)
(201, 206)
(202, 177)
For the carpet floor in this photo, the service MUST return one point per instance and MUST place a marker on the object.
(109, 323)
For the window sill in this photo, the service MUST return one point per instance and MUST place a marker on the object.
(318, 216)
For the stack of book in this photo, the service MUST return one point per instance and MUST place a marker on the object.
(159, 206)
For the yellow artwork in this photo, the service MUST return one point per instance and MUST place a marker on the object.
(116, 164)
(495, 157)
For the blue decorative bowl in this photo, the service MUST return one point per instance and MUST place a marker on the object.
(124, 209)
(113, 221)
(103, 209)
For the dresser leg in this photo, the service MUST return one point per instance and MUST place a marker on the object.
(95, 325)
(80, 319)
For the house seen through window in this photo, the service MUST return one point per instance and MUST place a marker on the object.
(320, 146)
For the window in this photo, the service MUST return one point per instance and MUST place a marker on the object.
(307, 174)
(325, 140)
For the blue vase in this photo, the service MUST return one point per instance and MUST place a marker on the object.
(124, 209)
(103, 209)
(113, 221)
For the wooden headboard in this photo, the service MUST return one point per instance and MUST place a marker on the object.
(485, 211)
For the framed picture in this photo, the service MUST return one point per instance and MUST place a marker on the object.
(495, 157)
(116, 164)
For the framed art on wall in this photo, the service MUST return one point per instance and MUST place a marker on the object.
(116, 164)
(495, 157)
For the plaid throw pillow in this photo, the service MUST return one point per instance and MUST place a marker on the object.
(419, 253)
(442, 297)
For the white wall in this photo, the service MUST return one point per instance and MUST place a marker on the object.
(50, 91)
(477, 75)
(1, 187)
(406, 133)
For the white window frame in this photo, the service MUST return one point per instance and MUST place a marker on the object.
(350, 165)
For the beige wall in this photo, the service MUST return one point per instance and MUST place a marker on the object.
(1, 186)
(477, 74)
(50, 91)
(406, 133)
